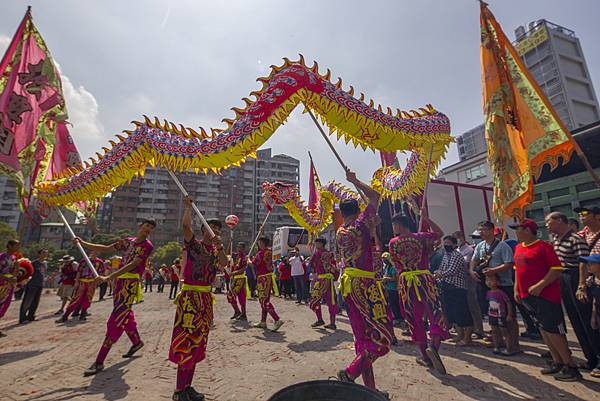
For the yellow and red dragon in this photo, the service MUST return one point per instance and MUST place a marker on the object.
(165, 144)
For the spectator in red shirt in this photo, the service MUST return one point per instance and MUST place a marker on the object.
(148, 276)
(285, 276)
(175, 271)
(537, 286)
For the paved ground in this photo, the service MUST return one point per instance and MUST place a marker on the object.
(44, 361)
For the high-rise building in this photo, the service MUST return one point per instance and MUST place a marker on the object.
(471, 143)
(554, 56)
(9, 206)
(236, 190)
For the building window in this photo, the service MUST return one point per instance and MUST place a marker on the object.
(475, 172)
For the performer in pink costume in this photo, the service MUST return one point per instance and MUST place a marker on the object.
(322, 262)
(364, 296)
(85, 288)
(8, 276)
(265, 283)
(238, 287)
(194, 313)
(136, 251)
(417, 287)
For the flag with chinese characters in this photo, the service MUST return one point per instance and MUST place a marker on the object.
(35, 143)
(522, 129)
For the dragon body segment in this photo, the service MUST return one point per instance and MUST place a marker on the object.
(153, 143)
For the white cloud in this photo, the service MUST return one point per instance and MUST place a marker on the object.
(86, 129)
(4, 42)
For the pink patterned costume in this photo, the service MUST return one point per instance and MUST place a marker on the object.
(194, 310)
(239, 283)
(7, 281)
(417, 287)
(127, 287)
(265, 283)
(86, 287)
(366, 304)
(323, 263)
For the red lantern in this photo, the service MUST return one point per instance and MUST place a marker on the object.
(231, 221)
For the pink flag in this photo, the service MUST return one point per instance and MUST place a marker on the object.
(34, 141)
(313, 184)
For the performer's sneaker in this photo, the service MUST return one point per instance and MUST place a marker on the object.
(92, 370)
(343, 376)
(424, 362)
(194, 395)
(242, 317)
(235, 316)
(75, 314)
(330, 326)
(277, 325)
(59, 312)
(436, 360)
(318, 323)
(61, 319)
(260, 325)
(133, 349)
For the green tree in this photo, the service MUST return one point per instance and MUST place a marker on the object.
(167, 253)
(6, 233)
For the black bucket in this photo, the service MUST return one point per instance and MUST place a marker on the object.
(327, 390)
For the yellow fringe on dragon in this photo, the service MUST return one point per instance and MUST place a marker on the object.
(164, 144)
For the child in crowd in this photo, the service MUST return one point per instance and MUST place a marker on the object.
(499, 313)
(593, 265)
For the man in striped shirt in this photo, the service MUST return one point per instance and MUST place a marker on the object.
(569, 248)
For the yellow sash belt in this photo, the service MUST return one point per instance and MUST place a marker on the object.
(246, 280)
(412, 279)
(331, 279)
(86, 280)
(350, 273)
(196, 288)
(7, 275)
(275, 288)
(136, 276)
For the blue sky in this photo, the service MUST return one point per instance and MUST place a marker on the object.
(191, 61)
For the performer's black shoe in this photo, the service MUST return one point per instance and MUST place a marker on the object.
(317, 324)
(394, 341)
(82, 317)
(331, 326)
(436, 360)
(182, 395)
(242, 317)
(133, 350)
(75, 314)
(61, 319)
(424, 362)
(59, 312)
(343, 376)
(92, 370)
(235, 316)
(194, 395)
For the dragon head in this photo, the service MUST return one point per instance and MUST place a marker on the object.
(279, 192)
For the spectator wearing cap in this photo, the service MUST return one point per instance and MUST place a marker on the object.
(537, 286)
(493, 256)
(466, 250)
(452, 280)
(593, 265)
(569, 248)
(590, 218)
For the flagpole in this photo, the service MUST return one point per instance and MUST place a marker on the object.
(260, 231)
(424, 200)
(79, 246)
(194, 207)
(344, 166)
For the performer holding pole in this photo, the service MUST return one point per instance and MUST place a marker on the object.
(322, 262)
(193, 206)
(238, 289)
(364, 296)
(136, 251)
(194, 303)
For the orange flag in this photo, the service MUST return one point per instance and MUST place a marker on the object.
(522, 129)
